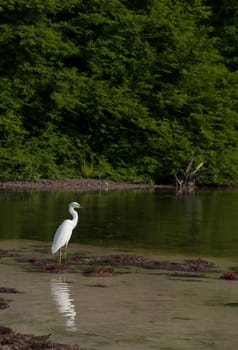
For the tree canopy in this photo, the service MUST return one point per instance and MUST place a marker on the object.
(118, 88)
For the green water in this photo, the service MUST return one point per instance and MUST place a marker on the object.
(204, 223)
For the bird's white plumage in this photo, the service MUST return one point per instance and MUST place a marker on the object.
(64, 231)
(62, 236)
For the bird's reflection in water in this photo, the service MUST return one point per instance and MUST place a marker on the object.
(60, 292)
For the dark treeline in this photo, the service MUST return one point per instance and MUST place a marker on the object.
(125, 89)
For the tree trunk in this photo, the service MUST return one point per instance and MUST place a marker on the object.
(186, 182)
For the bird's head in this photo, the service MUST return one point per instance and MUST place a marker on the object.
(75, 205)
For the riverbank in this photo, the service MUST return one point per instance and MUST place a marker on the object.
(77, 185)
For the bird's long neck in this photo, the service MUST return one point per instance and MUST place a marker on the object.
(75, 217)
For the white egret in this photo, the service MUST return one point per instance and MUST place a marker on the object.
(64, 231)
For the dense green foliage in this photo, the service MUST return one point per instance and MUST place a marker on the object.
(118, 88)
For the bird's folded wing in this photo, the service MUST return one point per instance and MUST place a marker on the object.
(62, 235)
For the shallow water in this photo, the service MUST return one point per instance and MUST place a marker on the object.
(141, 309)
(138, 309)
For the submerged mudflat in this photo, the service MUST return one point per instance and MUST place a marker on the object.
(11, 341)
(111, 299)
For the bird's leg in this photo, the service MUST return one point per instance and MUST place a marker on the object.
(65, 254)
(60, 256)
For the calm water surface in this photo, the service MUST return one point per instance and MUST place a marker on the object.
(203, 223)
(137, 310)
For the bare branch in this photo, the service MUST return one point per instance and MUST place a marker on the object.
(180, 182)
(197, 168)
(189, 165)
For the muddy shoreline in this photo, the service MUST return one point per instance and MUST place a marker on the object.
(78, 185)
